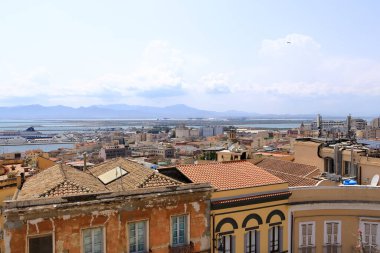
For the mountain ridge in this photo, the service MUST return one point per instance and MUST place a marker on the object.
(125, 111)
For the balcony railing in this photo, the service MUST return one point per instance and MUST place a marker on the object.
(370, 249)
(306, 249)
(188, 248)
(332, 249)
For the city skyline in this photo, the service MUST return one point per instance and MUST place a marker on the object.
(288, 57)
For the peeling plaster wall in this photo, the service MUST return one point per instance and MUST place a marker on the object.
(66, 224)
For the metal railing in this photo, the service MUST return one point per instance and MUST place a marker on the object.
(188, 248)
(332, 249)
(306, 249)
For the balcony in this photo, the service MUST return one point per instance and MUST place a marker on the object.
(188, 248)
(370, 248)
(306, 249)
(332, 249)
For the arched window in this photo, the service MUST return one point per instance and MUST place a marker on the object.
(275, 233)
(226, 239)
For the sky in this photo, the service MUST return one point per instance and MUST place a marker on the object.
(281, 57)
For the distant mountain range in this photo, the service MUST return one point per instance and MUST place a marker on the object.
(122, 111)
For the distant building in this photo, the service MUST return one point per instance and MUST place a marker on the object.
(182, 132)
(109, 152)
(153, 150)
(375, 123)
(207, 131)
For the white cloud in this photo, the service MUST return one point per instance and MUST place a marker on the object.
(294, 70)
(291, 43)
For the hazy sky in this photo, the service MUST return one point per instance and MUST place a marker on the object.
(256, 56)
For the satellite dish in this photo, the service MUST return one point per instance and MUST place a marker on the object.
(375, 180)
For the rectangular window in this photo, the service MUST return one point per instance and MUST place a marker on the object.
(226, 244)
(306, 237)
(370, 237)
(332, 237)
(347, 168)
(93, 241)
(274, 239)
(137, 237)
(41, 244)
(252, 241)
(179, 230)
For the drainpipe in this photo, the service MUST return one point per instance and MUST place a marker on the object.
(213, 233)
(291, 231)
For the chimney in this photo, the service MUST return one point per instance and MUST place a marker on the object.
(20, 179)
(84, 161)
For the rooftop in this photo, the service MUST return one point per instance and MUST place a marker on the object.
(64, 180)
(297, 169)
(295, 174)
(59, 180)
(229, 175)
(137, 175)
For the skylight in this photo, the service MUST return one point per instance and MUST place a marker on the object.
(112, 175)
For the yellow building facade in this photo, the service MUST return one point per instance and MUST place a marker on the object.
(249, 207)
(337, 219)
(250, 220)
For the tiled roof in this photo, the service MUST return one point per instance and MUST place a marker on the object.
(66, 188)
(59, 180)
(156, 180)
(261, 196)
(298, 169)
(295, 174)
(229, 175)
(138, 176)
(294, 180)
(64, 180)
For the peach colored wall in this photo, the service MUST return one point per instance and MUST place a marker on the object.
(66, 225)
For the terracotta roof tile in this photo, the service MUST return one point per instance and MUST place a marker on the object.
(64, 180)
(138, 176)
(157, 180)
(295, 174)
(275, 194)
(65, 188)
(229, 175)
(298, 169)
(59, 180)
(294, 180)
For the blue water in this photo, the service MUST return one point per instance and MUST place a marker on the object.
(23, 148)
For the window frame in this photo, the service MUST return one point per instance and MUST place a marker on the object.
(146, 233)
(271, 248)
(362, 228)
(94, 227)
(41, 235)
(223, 237)
(187, 229)
(339, 234)
(257, 243)
(300, 236)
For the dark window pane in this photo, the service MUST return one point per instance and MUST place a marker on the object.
(42, 244)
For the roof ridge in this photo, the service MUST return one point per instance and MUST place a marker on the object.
(311, 172)
(62, 171)
(212, 163)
